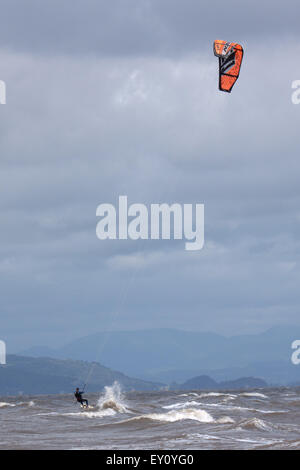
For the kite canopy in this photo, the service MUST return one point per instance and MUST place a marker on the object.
(230, 60)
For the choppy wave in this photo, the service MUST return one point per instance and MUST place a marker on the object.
(110, 403)
(293, 445)
(225, 420)
(185, 404)
(26, 403)
(173, 416)
(4, 404)
(295, 403)
(113, 399)
(256, 423)
(253, 394)
(205, 437)
(190, 394)
(221, 406)
(95, 414)
(151, 420)
(272, 412)
(217, 394)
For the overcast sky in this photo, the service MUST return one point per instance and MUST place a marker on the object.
(109, 98)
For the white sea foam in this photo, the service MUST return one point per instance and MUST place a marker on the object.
(13, 405)
(109, 404)
(30, 404)
(205, 437)
(222, 406)
(185, 404)
(256, 423)
(295, 444)
(3, 404)
(187, 413)
(193, 414)
(216, 394)
(94, 414)
(271, 412)
(112, 399)
(225, 420)
(190, 394)
(253, 394)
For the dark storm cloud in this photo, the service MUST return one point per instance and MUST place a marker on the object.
(140, 27)
(142, 116)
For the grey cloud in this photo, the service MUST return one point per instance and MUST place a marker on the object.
(139, 27)
(79, 130)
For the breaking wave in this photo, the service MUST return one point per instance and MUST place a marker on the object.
(253, 394)
(190, 394)
(26, 403)
(96, 414)
(3, 404)
(173, 416)
(185, 404)
(112, 399)
(257, 424)
(109, 404)
(217, 394)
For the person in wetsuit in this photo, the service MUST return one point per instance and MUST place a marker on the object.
(78, 396)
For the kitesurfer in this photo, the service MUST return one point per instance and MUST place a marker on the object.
(78, 396)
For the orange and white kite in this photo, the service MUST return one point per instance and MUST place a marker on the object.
(230, 60)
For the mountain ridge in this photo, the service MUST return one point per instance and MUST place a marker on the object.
(45, 375)
(169, 355)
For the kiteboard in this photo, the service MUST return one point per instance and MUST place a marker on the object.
(87, 408)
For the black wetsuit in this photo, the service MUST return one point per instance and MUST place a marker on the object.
(82, 401)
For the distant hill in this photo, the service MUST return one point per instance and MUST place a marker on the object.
(273, 372)
(204, 382)
(35, 376)
(168, 355)
(45, 376)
